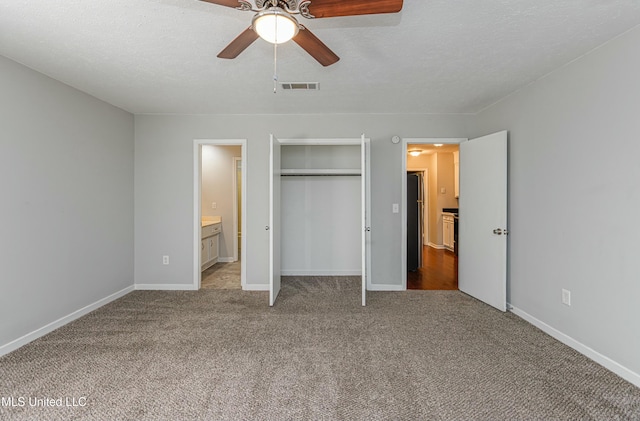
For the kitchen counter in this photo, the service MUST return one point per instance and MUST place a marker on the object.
(210, 220)
(453, 211)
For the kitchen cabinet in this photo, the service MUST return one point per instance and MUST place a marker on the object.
(448, 231)
(209, 245)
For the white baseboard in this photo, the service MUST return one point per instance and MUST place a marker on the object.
(603, 360)
(295, 272)
(15, 344)
(385, 287)
(436, 246)
(226, 259)
(256, 287)
(165, 287)
(375, 287)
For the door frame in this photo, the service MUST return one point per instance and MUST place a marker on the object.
(236, 211)
(197, 205)
(414, 141)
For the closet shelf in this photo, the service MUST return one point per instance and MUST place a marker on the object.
(319, 171)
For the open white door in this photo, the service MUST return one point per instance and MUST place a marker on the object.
(482, 260)
(364, 149)
(274, 220)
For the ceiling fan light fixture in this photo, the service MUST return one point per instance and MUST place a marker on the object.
(274, 25)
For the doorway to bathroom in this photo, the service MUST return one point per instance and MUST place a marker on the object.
(220, 193)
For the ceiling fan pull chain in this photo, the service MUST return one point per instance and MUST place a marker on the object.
(275, 63)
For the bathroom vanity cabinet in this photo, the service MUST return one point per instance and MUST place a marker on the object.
(209, 245)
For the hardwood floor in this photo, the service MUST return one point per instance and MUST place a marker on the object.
(439, 271)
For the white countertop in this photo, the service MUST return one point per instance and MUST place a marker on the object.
(210, 220)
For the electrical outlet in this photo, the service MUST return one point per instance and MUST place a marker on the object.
(214, 205)
(395, 208)
(165, 260)
(566, 297)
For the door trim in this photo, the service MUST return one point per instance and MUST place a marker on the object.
(236, 212)
(197, 205)
(403, 203)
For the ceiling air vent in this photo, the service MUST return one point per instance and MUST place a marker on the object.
(300, 86)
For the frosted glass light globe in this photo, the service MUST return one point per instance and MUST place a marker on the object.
(274, 25)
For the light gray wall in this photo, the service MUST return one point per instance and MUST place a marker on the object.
(218, 169)
(435, 217)
(66, 171)
(164, 183)
(321, 226)
(446, 181)
(574, 197)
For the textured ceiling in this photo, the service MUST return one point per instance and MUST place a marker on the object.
(436, 56)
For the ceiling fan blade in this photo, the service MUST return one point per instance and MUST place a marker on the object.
(316, 48)
(239, 44)
(228, 3)
(331, 8)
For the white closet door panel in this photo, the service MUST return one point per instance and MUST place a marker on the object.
(364, 217)
(274, 220)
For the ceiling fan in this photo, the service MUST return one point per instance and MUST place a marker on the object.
(274, 22)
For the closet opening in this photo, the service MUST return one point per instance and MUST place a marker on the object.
(319, 212)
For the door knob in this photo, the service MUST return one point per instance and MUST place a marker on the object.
(497, 231)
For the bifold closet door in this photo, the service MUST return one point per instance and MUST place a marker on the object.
(366, 228)
(274, 219)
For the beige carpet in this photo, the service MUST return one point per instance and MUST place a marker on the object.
(317, 355)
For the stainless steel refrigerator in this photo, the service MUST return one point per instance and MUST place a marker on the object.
(415, 210)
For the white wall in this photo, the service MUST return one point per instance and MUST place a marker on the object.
(319, 212)
(321, 226)
(164, 184)
(218, 169)
(574, 198)
(66, 171)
